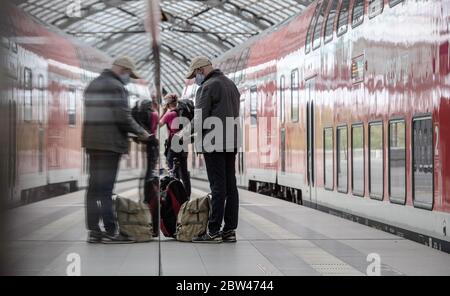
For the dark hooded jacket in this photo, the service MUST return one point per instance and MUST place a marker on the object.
(218, 97)
(107, 115)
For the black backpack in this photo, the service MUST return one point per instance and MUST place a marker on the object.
(172, 197)
(142, 113)
(185, 108)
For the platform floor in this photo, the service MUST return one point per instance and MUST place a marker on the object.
(274, 238)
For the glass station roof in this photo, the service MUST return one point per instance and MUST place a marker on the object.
(189, 28)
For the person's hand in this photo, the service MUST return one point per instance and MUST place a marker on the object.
(144, 136)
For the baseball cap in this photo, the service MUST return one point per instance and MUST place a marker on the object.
(196, 63)
(128, 63)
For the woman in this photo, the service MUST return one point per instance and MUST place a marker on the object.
(170, 113)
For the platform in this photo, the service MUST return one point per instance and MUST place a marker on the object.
(275, 237)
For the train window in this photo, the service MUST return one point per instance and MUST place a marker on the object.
(394, 2)
(358, 13)
(14, 46)
(311, 27)
(328, 158)
(28, 89)
(41, 98)
(5, 42)
(376, 182)
(295, 96)
(358, 159)
(253, 106)
(329, 23)
(71, 111)
(422, 141)
(375, 7)
(319, 23)
(342, 159)
(282, 98)
(397, 161)
(240, 66)
(228, 66)
(343, 18)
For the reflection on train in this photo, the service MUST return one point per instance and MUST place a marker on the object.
(345, 108)
(47, 74)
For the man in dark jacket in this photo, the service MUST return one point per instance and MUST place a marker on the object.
(107, 122)
(217, 102)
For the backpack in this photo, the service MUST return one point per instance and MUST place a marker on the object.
(142, 114)
(193, 218)
(134, 219)
(186, 108)
(173, 195)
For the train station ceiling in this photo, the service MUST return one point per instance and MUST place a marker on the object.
(188, 27)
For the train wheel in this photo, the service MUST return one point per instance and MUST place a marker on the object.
(289, 195)
(276, 191)
(252, 186)
(73, 186)
(298, 196)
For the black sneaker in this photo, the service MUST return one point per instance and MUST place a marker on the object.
(207, 238)
(229, 236)
(95, 237)
(117, 239)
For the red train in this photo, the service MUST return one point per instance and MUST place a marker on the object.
(46, 73)
(346, 108)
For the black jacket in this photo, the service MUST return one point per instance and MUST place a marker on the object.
(218, 97)
(107, 116)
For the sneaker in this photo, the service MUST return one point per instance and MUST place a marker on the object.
(95, 237)
(116, 239)
(228, 236)
(207, 238)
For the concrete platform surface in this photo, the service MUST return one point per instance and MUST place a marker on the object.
(274, 238)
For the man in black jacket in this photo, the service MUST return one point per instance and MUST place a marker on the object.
(107, 122)
(217, 102)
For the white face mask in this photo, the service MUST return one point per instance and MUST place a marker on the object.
(199, 79)
(125, 78)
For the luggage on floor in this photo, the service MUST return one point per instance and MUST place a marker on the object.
(193, 218)
(149, 192)
(134, 219)
(173, 195)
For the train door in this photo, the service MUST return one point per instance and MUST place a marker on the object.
(282, 118)
(310, 139)
(12, 143)
(241, 164)
(41, 108)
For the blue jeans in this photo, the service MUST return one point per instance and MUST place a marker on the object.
(103, 166)
(220, 167)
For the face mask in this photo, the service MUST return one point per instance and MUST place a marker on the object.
(125, 78)
(199, 79)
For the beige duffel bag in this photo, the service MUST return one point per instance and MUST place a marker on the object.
(134, 219)
(193, 218)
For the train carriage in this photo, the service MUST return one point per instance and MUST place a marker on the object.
(48, 72)
(359, 92)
